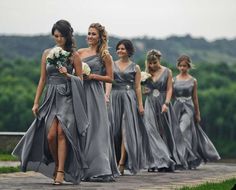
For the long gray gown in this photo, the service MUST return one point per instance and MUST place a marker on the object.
(200, 144)
(126, 120)
(99, 147)
(163, 128)
(64, 99)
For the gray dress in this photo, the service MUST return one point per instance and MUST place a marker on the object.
(64, 99)
(99, 151)
(163, 128)
(200, 144)
(126, 120)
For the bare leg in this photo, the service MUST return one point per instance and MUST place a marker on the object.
(52, 141)
(62, 151)
(122, 158)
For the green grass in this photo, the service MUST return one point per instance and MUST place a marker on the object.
(9, 169)
(225, 185)
(7, 157)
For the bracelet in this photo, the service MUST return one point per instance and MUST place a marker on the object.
(167, 103)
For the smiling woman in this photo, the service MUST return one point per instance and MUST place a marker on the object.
(99, 152)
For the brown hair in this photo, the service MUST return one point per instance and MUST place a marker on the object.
(103, 39)
(64, 27)
(187, 60)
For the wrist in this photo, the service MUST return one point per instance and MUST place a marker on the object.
(167, 103)
(92, 76)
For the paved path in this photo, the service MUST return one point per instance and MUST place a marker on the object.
(212, 172)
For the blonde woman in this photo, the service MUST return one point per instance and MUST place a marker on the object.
(99, 151)
(160, 120)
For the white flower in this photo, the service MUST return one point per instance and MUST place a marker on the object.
(86, 69)
(145, 76)
(57, 56)
(56, 52)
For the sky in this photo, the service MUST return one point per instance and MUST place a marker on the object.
(210, 19)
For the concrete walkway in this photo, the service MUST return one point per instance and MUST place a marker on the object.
(211, 172)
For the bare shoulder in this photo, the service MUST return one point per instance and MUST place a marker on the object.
(76, 54)
(82, 51)
(137, 68)
(46, 51)
(168, 70)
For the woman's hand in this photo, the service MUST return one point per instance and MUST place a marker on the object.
(198, 117)
(35, 109)
(146, 90)
(63, 70)
(164, 108)
(89, 77)
(141, 110)
(107, 100)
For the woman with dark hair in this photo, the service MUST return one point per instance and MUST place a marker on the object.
(99, 151)
(125, 100)
(52, 145)
(186, 107)
(160, 120)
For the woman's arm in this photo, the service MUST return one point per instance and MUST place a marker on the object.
(41, 83)
(138, 89)
(108, 91)
(195, 102)
(78, 65)
(168, 92)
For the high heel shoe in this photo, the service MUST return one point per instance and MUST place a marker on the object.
(55, 173)
(61, 179)
(121, 168)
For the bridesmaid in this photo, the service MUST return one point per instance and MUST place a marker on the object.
(127, 108)
(99, 151)
(160, 120)
(187, 110)
(52, 145)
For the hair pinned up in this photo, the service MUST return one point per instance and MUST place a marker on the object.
(153, 55)
(187, 60)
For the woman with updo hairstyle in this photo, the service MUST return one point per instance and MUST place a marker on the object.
(53, 143)
(125, 100)
(186, 107)
(165, 137)
(99, 151)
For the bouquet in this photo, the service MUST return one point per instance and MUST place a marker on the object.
(86, 69)
(145, 76)
(57, 56)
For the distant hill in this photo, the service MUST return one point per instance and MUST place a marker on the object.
(200, 50)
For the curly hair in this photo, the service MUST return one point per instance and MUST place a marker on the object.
(102, 48)
(152, 56)
(64, 27)
(187, 60)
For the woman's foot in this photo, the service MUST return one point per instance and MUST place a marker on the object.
(59, 178)
(153, 169)
(121, 168)
(55, 172)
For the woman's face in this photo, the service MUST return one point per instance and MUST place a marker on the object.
(183, 67)
(121, 51)
(153, 65)
(92, 37)
(59, 39)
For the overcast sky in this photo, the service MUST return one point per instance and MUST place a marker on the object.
(211, 19)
